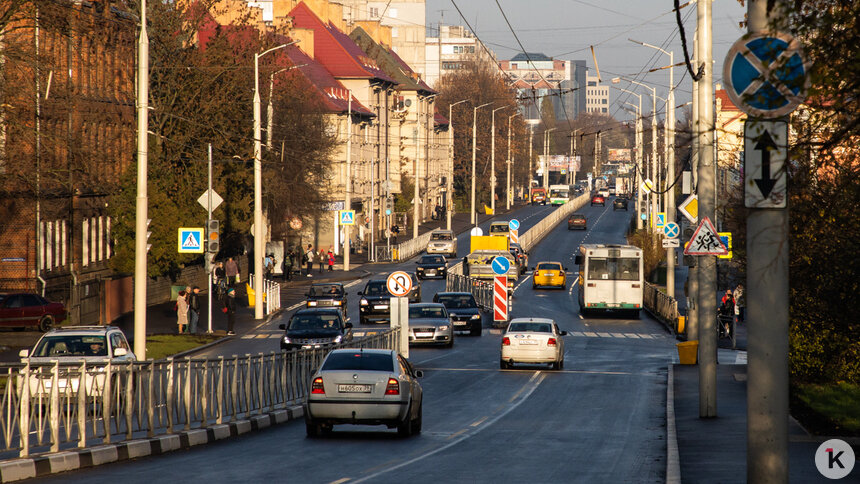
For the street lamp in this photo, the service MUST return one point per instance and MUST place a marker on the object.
(259, 248)
(474, 153)
(546, 158)
(450, 208)
(493, 158)
(270, 110)
(508, 162)
(416, 164)
(640, 145)
(571, 175)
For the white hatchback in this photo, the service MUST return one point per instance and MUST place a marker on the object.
(532, 341)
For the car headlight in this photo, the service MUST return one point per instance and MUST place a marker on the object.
(363, 302)
(443, 328)
(338, 303)
(287, 339)
(338, 338)
(441, 269)
(476, 316)
(312, 303)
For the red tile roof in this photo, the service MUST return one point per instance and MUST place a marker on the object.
(725, 102)
(440, 120)
(334, 95)
(409, 71)
(335, 50)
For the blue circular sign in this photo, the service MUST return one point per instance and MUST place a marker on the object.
(671, 230)
(766, 74)
(514, 224)
(501, 265)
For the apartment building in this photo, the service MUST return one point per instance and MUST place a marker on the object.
(457, 49)
(596, 96)
(537, 77)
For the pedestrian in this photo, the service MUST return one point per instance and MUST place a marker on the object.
(321, 259)
(231, 269)
(219, 276)
(193, 309)
(395, 230)
(740, 302)
(230, 310)
(330, 260)
(727, 310)
(309, 260)
(288, 265)
(181, 312)
(268, 265)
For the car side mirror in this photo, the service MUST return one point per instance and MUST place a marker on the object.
(282, 326)
(360, 293)
(531, 268)
(307, 294)
(117, 352)
(565, 269)
(347, 325)
(562, 333)
(578, 260)
(419, 374)
(24, 353)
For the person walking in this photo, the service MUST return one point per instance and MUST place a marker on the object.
(740, 302)
(181, 312)
(230, 309)
(288, 265)
(309, 260)
(322, 258)
(330, 259)
(219, 276)
(193, 309)
(231, 269)
(727, 311)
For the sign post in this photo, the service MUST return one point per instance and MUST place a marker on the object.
(399, 284)
(501, 266)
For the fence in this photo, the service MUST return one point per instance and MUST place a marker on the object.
(272, 290)
(403, 251)
(51, 409)
(661, 306)
(480, 288)
(534, 235)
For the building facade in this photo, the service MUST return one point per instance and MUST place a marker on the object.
(597, 96)
(537, 77)
(457, 50)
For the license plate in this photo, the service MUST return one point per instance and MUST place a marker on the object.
(431, 272)
(528, 342)
(385, 306)
(547, 274)
(459, 323)
(354, 388)
(423, 335)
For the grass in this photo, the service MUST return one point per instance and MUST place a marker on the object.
(163, 345)
(828, 409)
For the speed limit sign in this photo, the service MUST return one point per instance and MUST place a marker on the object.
(399, 283)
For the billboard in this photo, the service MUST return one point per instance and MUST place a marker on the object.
(562, 162)
(619, 154)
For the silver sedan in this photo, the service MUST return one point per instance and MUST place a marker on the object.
(534, 341)
(367, 387)
(430, 323)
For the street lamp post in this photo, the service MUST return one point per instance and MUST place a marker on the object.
(474, 154)
(546, 157)
(638, 163)
(493, 158)
(508, 162)
(142, 202)
(258, 186)
(450, 210)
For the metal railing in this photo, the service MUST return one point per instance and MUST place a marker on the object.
(482, 289)
(661, 306)
(272, 290)
(404, 251)
(54, 406)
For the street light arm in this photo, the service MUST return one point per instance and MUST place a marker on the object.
(649, 45)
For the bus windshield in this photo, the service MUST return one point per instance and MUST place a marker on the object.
(613, 269)
(559, 193)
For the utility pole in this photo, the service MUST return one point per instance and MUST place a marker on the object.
(654, 175)
(416, 200)
(546, 158)
(707, 298)
(508, 163)
(210, 263)
(640, 158)
(493, 159)
(450, 210)
(767, 293)
(693, 272)
(531, 158)
(348, 186)
(141, 221)
(474, 220)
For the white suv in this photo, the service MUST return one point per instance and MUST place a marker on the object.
(443, 242)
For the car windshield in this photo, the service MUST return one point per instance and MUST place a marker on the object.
(434, 312)
(577, 217)
(548, 266)
(440, 236)
(314, 321)
(499, 228)
(333, 290)
(376, 288)
(464, 301)
(71, 345)
(432, 259)
(530, 328)
(614, 269)
(358, 360)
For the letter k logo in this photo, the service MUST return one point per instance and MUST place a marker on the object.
(834, 459)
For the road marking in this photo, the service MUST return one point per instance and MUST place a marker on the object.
(522, 282)
(576, 333)
(646, 336)
(604, 335)
(479, 422)
(590, 334)
(296, 306)
(353, 283)
(341, 481)
(570, 291)
(741, 358)
(631, 335)
(457, 434)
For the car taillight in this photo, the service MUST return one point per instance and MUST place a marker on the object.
(317, 386)
(393, 387)
(636, 285)
(506, 341)
(551, 342)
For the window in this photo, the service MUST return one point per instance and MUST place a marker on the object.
(353, 360)
(604, 110)
(374, 12)
(592, 83)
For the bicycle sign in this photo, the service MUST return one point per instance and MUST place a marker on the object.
(705, 241)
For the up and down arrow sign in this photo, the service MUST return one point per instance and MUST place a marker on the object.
(765, 154)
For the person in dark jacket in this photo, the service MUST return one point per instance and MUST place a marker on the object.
(230, 304)
(193, 309)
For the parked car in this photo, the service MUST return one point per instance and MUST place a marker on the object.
(520, 256)
(533, 341)
(374, 302)
(549, 274)
(70, 346)
(327, 294)
(577, 221)
(23, 310)
(431, 266)
(463, 310)
(442, 242)
(619, 204)
(315, 328)
(598, 200)
(365, 387)
(430, 323)
(414, 293)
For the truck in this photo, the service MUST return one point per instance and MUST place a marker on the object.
(500, 228)
(479, 265)
(537, 195)
(488, 242)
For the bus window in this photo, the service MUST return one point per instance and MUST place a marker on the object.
(613, 269)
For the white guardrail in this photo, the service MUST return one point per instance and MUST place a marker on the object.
(272, 298)
(404, 251)
(661, 306)
(146, 398)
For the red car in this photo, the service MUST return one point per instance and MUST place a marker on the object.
(21, 310)
(598, 200)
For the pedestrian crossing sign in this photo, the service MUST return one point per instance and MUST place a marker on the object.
(347, 217)
(190, 240)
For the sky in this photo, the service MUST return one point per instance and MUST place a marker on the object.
(566, 29)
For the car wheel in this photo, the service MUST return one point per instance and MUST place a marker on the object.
(475, 331)
(451, 343)
(416, 424)
(404, 428)
(313, 429)
(45, 324)
(362, 320)
(503, 365)
(553, 365)
(561, 364)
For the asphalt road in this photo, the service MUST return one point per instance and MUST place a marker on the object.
(602, 419)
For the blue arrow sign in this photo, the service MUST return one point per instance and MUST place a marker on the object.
(671, 230)
(514, 224)
(501, 265)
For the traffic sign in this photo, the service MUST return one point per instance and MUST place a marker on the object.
(296, 223)
(671, 243)
(501, 265)
(514, 224)
(647, 186)
(765, 153)
(726, 238)
(514, 235)
(705, 241)
(476, 231)
(671, 230)
(766, 74)
(399, 283)
(347, 217)
(500, 298)
(661, 219)
(204, 199)
(190, 240)
(689, 208)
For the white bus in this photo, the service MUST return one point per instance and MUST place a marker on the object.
(559, 194)
(611, 278)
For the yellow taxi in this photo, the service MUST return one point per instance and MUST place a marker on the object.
(549, 274)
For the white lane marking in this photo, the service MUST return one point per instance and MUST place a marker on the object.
(479, 422)
(522, 282)
(341, 481)
(631, 335)
(534, 386)
(604, 335)
(353, 283)
(590, 334)
(646, 336)
(296, 306)
(741, 358)
(572, 286)
(618, 335)
(575, 333)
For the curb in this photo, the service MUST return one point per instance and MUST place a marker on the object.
(47, 464)
(673, 460)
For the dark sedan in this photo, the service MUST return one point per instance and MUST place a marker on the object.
(431, 266)
(315, 328)
(464, 311)
(619, 204)
(577, 221)
(21, 310)
(324, 295)
(374, 302)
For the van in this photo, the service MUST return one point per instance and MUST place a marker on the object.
(442, 242)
